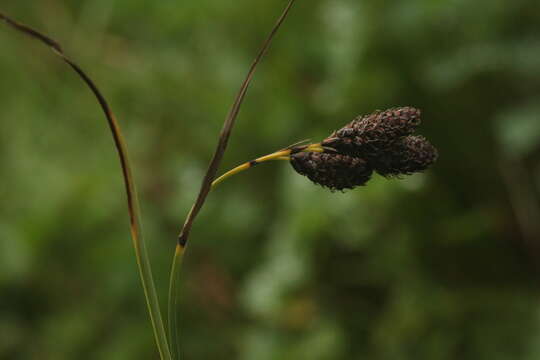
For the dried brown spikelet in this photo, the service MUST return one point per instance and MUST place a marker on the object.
(408, 155)
(369, 135)
(332, 170)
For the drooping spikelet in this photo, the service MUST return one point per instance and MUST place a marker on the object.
(380, 142)
(408, 155)
(332, 170)
(369, 135)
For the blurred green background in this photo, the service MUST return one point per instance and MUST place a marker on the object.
(441, 265)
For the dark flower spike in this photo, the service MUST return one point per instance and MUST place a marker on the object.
(369, 135)
(409, 155)
(331, 170)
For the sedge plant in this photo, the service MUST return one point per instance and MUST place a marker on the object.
(383, 142)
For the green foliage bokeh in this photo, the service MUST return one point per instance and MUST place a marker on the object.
(441, 265)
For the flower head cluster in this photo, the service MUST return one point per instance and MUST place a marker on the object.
(381, 142)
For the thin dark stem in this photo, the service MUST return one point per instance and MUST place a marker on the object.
(226, 132)
(206, 185)
(133, 204)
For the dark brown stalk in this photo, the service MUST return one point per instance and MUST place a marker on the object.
(133, 207)
(226, 133)
(111, 120)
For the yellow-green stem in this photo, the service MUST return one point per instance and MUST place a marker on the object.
(247, 165)
(173, 301)
(180, 250)
(278, 155)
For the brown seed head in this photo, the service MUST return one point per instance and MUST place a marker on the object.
(332, 170)
(379, 142)
(367, 136)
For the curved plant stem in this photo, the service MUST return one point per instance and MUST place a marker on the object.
(174, 278)
(250, 164)
(227, 130)
(206, 184)
(278, 155)
(141, 253)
